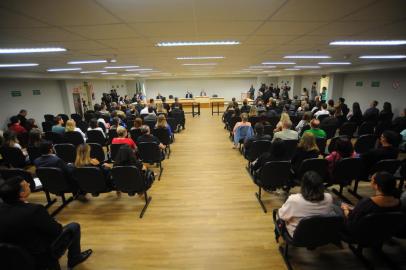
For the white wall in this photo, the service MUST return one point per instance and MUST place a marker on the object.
(223, 87)
(49, 101)
(386, 92)
(307, 82)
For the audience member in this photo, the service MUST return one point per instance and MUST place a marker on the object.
(151, 116)
(137, 123)
(245, 108)
(177, 104)
(49, 159)
(93, 125)
(165, 105)
(259, 135)
(22, 117)
(83, 158)
(343, 148)
(277, 153)
(10, 139)
(315, 130)
(306, 148)
(30, 124)
(126, 157)
(122, 138)
(355, 115)
(372, 113)
(35, 138)
(343, 107)
(286, 133)
(15, 126)
(71, 127)
(58, 127)
(284, 118)
(148, 137)
(161, 123)
(386, 114)
(160, 109)
(307, 116)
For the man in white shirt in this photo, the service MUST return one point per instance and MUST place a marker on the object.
(286, 133)
(323, 111)
(203, 93)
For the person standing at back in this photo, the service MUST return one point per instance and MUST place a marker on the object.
(372, 113)
(313, 91)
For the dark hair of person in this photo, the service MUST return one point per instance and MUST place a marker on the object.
(386, 183)
(163, 99)
(57, 119)
(45, 147)
(387, 107)
(97, 107)
(9, 136)
(93, 123)
(307, 116)
(125, 156)
(14, 119)
(375, 103)
(34, 137)
(344, 147)
(22, 111)
(150, 109)
(356, 109)
(10, 189)
(341, 99)
(137, 122)
(245, 102)
(278, 148)
(324, 106)
(312, 188)
(391, 137)
(115, 121)
(259, 128)
(331, 102)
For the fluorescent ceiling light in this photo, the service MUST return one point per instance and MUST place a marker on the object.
(139, 69)
(87, 62)
(292, 69)
(109, 73)
(262, 66)
(279, 63)
(368, 42)
(382, 56)
(199, 57)
(108, 67)
(306, 66)
(334, 63)
(307, 56)
(274, 71)
(20, 65)
(63, 69)
(93, 71)
(30, 50)
(135, 74)
(200, 64)
(197, 43)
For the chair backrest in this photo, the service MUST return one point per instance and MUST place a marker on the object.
(95, 136)
(73, 137)
(348, 129)
(46, 126)
(365, 143)
(82, 125)
(173, 123)
(268, 130)
(14, 257)
(321, 144)
(290, 148)
(233, 121)
(54, 137)
(66, 151)
(318, 165)
(332, 146)
(253, 120)
(96, 151)
(317, 231)
(33, 153)
(114, 150)
(112, 134)
(150, 123)
(23, 139)
(13, 156)
(275, 174)
(135, 133)
(322, 117)
(75, 116)
(8, 173)
(149, 152)
(89, 115)
(330, 130)
(257, 148)
(387, 165)
(54, 180)
(163, 135)
(366, 128)
(91, 179)
(346, 170)
(304, 128)
(49, 118)
(128, 179)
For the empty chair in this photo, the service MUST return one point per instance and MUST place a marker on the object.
(13, 156)
(135, 133)
(151, 153)
(273, 175)
(96, 151)
(321, 144)
(54, 137)
(366, 128)
(66, 151)
(114, 150)
(330, 130)
(33, 153)
(345, 171)
(365, 143)
(257, 149)
(55, 182)
(95, 136)
(91, 180)
(348, 129)
(73, 137)
(130, 180)
(164, 137)
(318, 165)
(47, 126)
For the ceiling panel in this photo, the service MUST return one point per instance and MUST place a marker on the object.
(171, 29)
(387, 10)
(288, 28)
(270, 40)
(10, 19)
(345, 28)
(126, 42)
(104, 31)
(42, 34)
(228, 28)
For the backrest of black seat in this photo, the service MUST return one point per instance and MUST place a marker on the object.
(317, 231)
(387, 165)
(366, 128)
(49, 118)
(128, 179)
(346, 170)
(75, 116)
(114, 150)
(82, 125)
(257, 148)
(163, 135)
(321, 144)
(318, 165)
(332, 146)
(14, 258)
(348, 129)
(96, 151)
(53, 180)
(13, 156)
(73, 137)
(329, 129)
(90, 179)
(112, 134)
(135, 133)
(46, 126)
(66, 151)
(290, 148)
(54, 137)
(173, 123)
(275, 174)
(33, 153)
(149, 152)
(304, 128)
(8, 173)
(365, 143)
(253, 120)
(233, 121)
(95, 136)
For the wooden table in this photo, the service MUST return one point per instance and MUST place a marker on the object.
(216, 101)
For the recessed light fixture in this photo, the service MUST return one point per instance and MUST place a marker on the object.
(93, 71)
(87, 62)
(262, 66)
(200, 64)
(368, 42)
(139, 69)
(307, 56)
(109, 73)
(334, 63)
(197, 43)
(30, 50)
(292, 69)
(111, 67)
(382, 56)
(62, 69)
(199, 57)
(279, 63)
(19, 65)
(306, 67)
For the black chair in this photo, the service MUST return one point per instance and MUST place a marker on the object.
(164, 137)
(91, 180)
(90, 115)
(332, 146)
(257, 148)
(348, 129)
(150, 123)
(96, 151)
(49, 118)
(135, 133)
(151, 153)
(290, 148)
(114, 150)
(73, 137)
(54, 137)
(66, 151)
(64, 117)
(232, 122)
(96, 136)
(273, 175)
(55, 182)
(47, 126)
(344, 172)
(33, 153)
(23, 139)
(372, 232)
(268, 130)
(310, 233)
(365, 143)
(253, 120)
(322, 117)
(173, 123)
(129, 179)
(321, 144)
(366, 128)
(13, 257)
(329, 129)
(304, 128)
(112, 134)
(77, 117)
(8, 173)
(82, 125)
(13, 157)
(318, 165)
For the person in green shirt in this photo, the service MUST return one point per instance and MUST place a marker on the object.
(315, 130)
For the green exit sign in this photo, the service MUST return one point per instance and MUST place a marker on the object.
(16, 93)
(359, 83)
(36, 92)
(375, 83)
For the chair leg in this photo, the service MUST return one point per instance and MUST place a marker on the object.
(160, 170)
(65, 202)
(285, 255)
(353, 191)
(49, 200)
(340, 194)
(358, 252)
(147, 201)
(258, 195)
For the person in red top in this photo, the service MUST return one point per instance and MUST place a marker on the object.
(15, 126)
(122, 138)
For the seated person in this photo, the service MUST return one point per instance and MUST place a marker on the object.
(244, 122)
(284, 117)
(306, 148)
(58, 127)
(307, 116)
(30, 124)
(286, 133)
(165, 105)
(94, 125)
(315, 130)
(160, 109)
(148, 137)
(245, 108)
(122, 138)
(277, 153)
(343, 149)
(384, 200)
(311, 201)
(323, 111)
(137, 123)
(29, 226)
(259, 135)
(15, 126)
(83, 158)
(10, 139)
(35, 138)
(71, 127)
(151, 116)
(177, 105)
(163, 124)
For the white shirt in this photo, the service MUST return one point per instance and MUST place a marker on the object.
(81, 133)
(144, 111)
(99, 129)
(296, 208)
(321, 112)
(286, 134)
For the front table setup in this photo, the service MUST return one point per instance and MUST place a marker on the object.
(216, 102)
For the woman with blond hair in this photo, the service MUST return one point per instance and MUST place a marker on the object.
(83, 158)
(71, 127)
(253, 111)
(244, 122)
(306, 148)
(284, 118)
(162, 123)
(160, 109)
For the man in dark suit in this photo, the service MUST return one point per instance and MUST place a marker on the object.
(165, 105)
(30, 227)
(159, 96)
(22, 117)
(189, 94)
(177, 104)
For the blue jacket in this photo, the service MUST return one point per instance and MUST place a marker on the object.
(242, 133)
